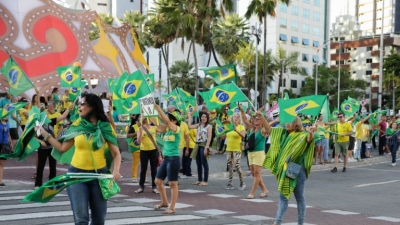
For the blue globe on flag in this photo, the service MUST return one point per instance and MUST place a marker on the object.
(13, 74)
(347, 107)
(220, 129)
(171, 99)
(224, 72)
(68, 76)
(130, 88)
(222, 96)
(74, 90)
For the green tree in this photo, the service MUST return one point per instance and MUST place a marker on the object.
(245, 58)
(94, 32)
(328, 81)
(229, 35)
(290, 93)
(137, 22)
(391, 81)
(263, 8)
(182, 76)
(286, 61)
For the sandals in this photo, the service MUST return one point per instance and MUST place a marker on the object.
(197, 183)
(264, 195)
(169, 211)
(155, 191)
(157, 207)
(203, 184)
(140, 190)
(34, 176)
(250, 196)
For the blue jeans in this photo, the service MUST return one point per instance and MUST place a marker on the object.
(325, 143)
(300, 199)
(85, 195)
(393, 151)
(202, 162)
(186, 163)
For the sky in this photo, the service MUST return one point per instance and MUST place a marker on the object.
(338, 7)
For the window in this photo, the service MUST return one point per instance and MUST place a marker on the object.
(306, 70)
(131, 0)
(283, 22)
(369, 60)
(324, 61)
(306, 13)
(295, 25)
(316, 2)
(283, 7)
(282, 37)
(368, 72)
(102, 4)
(354, 71)
(284, 82)
(293, 70)
(307, 1)
(303, 83)
(306, 42)
(315, 58)
(304, 57)
(316, 16)
(295, 10)
(293, 83)
(316, 31)
(305, 28)
(295, 40)
(369, 49)
(315, 44)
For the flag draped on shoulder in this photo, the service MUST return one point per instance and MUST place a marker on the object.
(17, 79)
(309, 105)
(222, 95)
(223, 74)
(70, 76)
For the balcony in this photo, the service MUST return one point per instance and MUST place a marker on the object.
(374, 65)
(377, 53)
(343, 56)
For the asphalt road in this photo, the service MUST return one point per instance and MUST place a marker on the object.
(366, 194)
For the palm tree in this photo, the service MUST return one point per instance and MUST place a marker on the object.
(182, 76)
(137, 22)
(263, 8)
(94, 32)
(229, 35)
(290, 93)
(290, 61)
(245, 58)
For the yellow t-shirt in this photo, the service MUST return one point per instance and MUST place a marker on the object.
(327, 128)
(343, 128)
(22, 116)
(184, 132)
(359, 131)
(82, 159)
(146, 144)
(225, 117)
(66, 102)
(234, 141)
(52, 116)
(366, 128)
(192, 137)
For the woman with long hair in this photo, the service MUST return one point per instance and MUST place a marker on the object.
(260, 128)
(291, 145)
(132, 133)
(203, 139)
(92, 136)
(234, 150)
(392, 136)
(148, 152)
(171, 164)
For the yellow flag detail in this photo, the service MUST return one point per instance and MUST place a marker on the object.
(296, 109)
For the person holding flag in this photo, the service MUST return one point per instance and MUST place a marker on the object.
(260, 128)
(91, 132)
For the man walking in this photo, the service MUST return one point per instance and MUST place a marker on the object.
(382, 134)
(344, 131)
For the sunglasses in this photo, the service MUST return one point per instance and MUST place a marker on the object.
(83, 103)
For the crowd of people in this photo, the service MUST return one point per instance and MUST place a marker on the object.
(263, 140)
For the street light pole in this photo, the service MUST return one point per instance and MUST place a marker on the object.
(381, 60)
(338, 91)
(283, 62)
(316, 74)
(256, 32)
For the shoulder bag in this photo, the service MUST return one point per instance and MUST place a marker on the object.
(251, 142)
(159, 157)
(108, 186)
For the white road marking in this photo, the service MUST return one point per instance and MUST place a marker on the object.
(191, 191)
(15, 191)
(295, 206)
(22, 197)
(142, 200)
(253, 217)
(257, 200)
(182, 205)
(33, 205)
(385, 218)
(379, 183)
(340, 212)
(223, 196)
(213, 212)
(29, 167)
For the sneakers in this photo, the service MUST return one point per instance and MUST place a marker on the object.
(352, 160)
(3, 185)
(229, 187)
(333, 161)
(242, 186)
(334, 170)
(340, 160)
(393, 164)
(183, 177)
(344, 169)
(134, 180)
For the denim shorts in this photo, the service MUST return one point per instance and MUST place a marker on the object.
(169, 168)
(320, 142)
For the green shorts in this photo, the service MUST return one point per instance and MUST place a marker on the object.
(341, 147)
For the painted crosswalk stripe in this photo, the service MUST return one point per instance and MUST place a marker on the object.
(191, 191)
(68, 213)
(340, 212)
(223, 196)
(256, 200)
(295, 206)
(385, 218)
(22, 197)
(33, 205)
(149, 220)
(142, 200)
(15, 192)
(213, 212)
(253, 218)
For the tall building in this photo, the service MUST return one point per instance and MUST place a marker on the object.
(303, 26)
(369, 14)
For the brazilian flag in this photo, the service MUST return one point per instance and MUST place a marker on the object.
(131, 87)
(348, 108)
(74, 92)
(184, 95)
(8, 109)
(173, 96)
(223, 128)
(190, 105)
(222, 75)
(309, 105)
(17, 79)
(150, 81)
(334, 114)
(70, 76)
(222, 95)
(126, 106)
